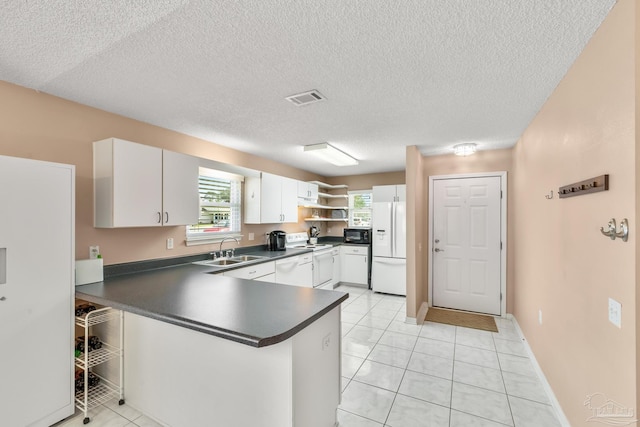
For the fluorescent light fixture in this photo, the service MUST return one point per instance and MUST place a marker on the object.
(465, 149)
(331, 154)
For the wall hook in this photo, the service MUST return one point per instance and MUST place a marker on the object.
(624, 230)
(549, 196)
(610, 231)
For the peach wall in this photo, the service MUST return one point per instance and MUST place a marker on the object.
(416, 205)
(40, 126)
(366, 181)
(637, 197)
(563, 265)
(481, 161)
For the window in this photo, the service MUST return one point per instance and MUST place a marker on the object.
(360, 208)
(220, 207)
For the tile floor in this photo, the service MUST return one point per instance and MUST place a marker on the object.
(399, 375)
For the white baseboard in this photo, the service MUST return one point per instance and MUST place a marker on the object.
(545, 384)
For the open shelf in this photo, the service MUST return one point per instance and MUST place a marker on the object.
(333, 196)
(105, 390)
(329, 186)
(97, 395)
(317, 206)
(326, 219)
(97, 316)
(96, 357)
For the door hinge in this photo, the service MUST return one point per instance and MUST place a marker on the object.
(501, 194)
(500, 245)
(500, 296)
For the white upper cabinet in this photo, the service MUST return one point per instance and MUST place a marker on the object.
(180, 197)
(270, 199)
(137, 185)
(307, 191)
(389, 193)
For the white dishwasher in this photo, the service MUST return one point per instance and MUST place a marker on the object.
(295, 270)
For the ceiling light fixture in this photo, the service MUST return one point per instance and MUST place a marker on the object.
(330, 154)
(465, 149)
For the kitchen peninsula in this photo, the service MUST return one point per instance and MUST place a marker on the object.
(205, 349)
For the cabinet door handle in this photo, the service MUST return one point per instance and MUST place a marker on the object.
(166, 214)
(159, 217)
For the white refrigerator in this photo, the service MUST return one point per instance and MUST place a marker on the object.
(389, 265)
(37, 252)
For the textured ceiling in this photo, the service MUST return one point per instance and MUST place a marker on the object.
(430, 73)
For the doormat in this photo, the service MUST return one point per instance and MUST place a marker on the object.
(459, 318)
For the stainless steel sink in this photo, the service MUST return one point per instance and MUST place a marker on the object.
(219, 262)
(245, 258)
(224, 262)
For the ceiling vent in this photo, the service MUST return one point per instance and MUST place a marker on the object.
(306, 98)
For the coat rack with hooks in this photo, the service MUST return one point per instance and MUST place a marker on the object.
(592, 185)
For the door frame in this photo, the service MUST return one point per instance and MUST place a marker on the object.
(503, 232)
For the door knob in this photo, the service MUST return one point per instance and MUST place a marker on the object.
(438, 250)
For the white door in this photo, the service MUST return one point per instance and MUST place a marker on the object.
(36, 302)
(466, 244)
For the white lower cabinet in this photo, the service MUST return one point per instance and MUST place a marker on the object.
(264, 272)
(295, 270)
(268, 278)
(337, 273)
(354, 264)
(183, 378)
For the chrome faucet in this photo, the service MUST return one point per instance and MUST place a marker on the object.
(225, 239)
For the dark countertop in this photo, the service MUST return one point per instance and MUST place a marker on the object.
(250, 312)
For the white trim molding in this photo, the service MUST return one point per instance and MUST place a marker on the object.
(564, 422)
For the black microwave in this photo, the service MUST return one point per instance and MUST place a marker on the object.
(358, 236)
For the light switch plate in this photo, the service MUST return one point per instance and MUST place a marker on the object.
(615, 312)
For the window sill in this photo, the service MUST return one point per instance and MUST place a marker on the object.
(208, 240)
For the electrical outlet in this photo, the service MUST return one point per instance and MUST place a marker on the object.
(540, 317)
(170, 243)
(326, 341)
(252, 236)
(94, 251)
(615, 312)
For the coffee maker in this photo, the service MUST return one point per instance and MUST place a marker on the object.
(277, 240)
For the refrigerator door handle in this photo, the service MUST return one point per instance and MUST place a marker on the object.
(392, 235)
(3, 266)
